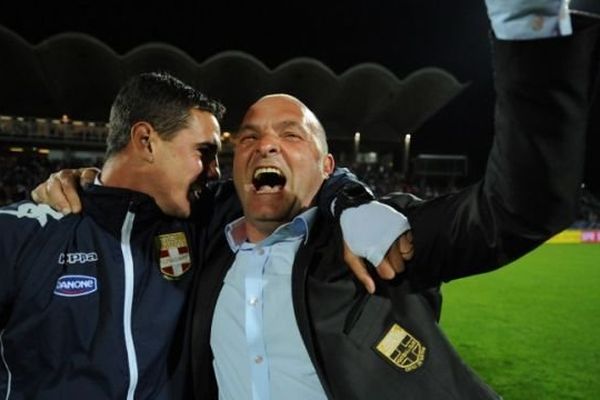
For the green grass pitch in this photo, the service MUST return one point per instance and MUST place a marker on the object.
(532, 329)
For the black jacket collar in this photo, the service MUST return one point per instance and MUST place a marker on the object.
(108, 206)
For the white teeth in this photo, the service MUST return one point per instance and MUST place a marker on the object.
(264, 170)
(269, 189)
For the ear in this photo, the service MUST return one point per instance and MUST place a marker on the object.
(141, 140)
(328, 165)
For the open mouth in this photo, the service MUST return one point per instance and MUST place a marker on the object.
(196, 189)
(194, 194)
(200, 184)
(268, 180)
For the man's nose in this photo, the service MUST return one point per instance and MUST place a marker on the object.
(268, 144)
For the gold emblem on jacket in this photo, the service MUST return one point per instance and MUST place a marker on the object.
(401, 349)
(174, 255)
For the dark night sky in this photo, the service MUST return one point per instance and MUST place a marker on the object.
(400, 35)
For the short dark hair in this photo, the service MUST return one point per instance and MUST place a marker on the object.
(159, 99)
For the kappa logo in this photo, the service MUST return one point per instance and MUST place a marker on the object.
(77, 258)
(40, 212)
(75, 285)
(174, 255)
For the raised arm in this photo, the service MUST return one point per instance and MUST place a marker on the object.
(530, 188)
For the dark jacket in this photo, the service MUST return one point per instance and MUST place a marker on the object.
(388, 345)
(78, 317)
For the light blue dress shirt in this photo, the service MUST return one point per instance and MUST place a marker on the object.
(258, 350)
(257, 347)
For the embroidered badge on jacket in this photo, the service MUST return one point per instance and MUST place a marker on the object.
(401, 349)
(174, 255)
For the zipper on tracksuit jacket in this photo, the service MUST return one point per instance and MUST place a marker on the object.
(9, 380)
(128, 302)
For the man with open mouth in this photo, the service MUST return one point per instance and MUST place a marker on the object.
(278, 314)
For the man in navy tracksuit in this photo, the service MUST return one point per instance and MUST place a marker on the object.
(83, 306)
(90, 303)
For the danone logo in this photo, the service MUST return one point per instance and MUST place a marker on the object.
(75, 285)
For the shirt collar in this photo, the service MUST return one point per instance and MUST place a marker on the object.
(235, 231)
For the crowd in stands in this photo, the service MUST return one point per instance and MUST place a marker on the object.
(53, 130)
(589, 211)
(384, 179)
(21, 173)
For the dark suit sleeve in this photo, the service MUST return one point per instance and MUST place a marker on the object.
(340, 191)
(531, 183)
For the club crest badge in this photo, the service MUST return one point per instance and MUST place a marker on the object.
(174, 255)
(401, 349)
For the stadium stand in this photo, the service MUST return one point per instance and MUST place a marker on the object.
(32, 148)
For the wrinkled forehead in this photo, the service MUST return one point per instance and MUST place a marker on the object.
(274, 108)
(281, 110)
